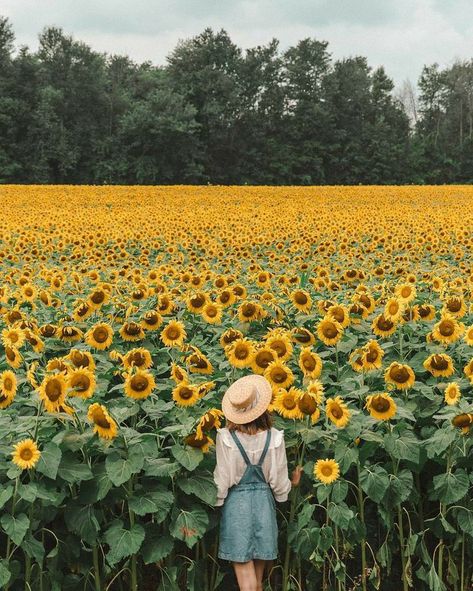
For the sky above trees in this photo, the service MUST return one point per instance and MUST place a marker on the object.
(401, 35)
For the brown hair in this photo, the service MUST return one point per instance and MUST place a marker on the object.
(261, 423)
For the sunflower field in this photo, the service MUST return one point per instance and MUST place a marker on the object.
(126, 313)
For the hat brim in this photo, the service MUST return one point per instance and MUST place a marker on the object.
(265, 395)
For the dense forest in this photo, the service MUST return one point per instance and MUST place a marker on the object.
(215, 113)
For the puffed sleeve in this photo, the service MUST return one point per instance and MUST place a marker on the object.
(279, 476)
(221, 473)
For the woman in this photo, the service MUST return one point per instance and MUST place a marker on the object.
(251, 475)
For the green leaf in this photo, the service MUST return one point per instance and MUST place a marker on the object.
(451, 487)
(5, 495)
(439, 441)
(15, 526)
(374, 482)
(97, 488)
(189, 526)
(5, 573)
(33, 548)
(123, 542)
(157, 544)
(434, 581)
(82, 521)
(48, 463)
(189, 457)
(160, 467)
(465, 520)
(158, 502)
(340, 514)
(201, 485)
(72, 469)
(403, 447)
(118, 469)
(399, 488)
(339, 491)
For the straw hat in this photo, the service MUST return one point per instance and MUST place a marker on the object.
(246, 399)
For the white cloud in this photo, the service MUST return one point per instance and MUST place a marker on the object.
(402, 35)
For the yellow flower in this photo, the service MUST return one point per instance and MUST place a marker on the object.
(381, 406)
(301, 300)
(185, 394)
(439, 364)
(286, 403)
(99, 336)
(8, 385)
(310, 363)
(240, 353)
(452, 393)
(400, 375)
(278, 375)
(53, 391)
(26, 454)
(173, 334)
(104, 425)
(329, 331)
(139, 384)
(337, 412)
(327, 471)
(81, 383)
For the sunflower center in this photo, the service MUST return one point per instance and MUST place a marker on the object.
(289, 402)
(81, 383)
(173, 333)
(439, 362)
(380, 404)
(399, 374)
(301, 298)
(185, 393)
(241, 352)
(309, 363)
(26, 454)
(100, 334)
(98, 297)
(8, 383)
(454, 305)
(446, 328)
(278, 376)
(326, 470)
(211, 311)
(337, 412)
(53, 390)
(101, 420)
(139, 383)
(330, 331)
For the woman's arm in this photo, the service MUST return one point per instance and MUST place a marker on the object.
(279, 478)
(221, 473)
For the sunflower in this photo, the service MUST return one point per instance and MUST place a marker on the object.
(139, 384)
(200, 442)
(185, 394)
(104, 425)
(212, 313)
(178, 374)
(355, 359)
(439, 364)
(13, 337)
(262, 358)
(173, 334)
(13, 357)
(240, 353)
(310, 363)
(468, 370)
(138, 357)
(337, 412)
(405, 292)
(381, 406)
(393, 309)
(329, 330)
(225, 298)
(210, 420)
(452, 393)
(316, 389)
(399, 375)
(204, 387)
(80, 358)
(99, 336)
(26, 454)
(278, 375)
(131, 331)
(303, 336)
(249, 311)
(447, 330)
(339, 313)
(151, 320)
(382, 326)
(8, 385)
(286, 403)
(468, 338)
(30, 374)
(69, 334)
(229, 336)
(308, 405)
(280, 342)
(372, 355)
(52, 391)
(196, 301)
(326, 471)
(426, 312)
(301, 300)
(81, 383)
(455, 306)
(198, 363)
(34, 340)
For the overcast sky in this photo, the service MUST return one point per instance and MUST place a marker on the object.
(400, 34)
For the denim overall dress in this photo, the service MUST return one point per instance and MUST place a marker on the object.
(248, 526)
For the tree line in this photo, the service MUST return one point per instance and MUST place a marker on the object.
(215, 113)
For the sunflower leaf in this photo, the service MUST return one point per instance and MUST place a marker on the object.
(158, 502)
(374, 481)
(5, 573)
(451, 487)
(48, 463)
(201, 485)
(189, 526)
(189, 457)
(123, 542)
(15, 526)
(157, 544)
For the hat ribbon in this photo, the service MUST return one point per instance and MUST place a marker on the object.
(250, 406)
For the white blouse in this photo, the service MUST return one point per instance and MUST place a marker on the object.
(231, 465)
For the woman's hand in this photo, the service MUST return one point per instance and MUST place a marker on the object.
(296, 476)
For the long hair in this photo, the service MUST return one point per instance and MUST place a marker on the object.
(261, 423)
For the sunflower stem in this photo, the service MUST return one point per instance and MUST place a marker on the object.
(361, 506)
(287, 556)
(462, 569)
(95, 555)
(134, 580)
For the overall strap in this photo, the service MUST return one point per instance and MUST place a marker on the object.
(240, 447)
(266, 445)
